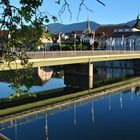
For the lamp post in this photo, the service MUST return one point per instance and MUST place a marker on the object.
(134, 43)
(113, 43)
(81, 41)
(122, 42)
(110, 44)
(74, 37)
(59, 42)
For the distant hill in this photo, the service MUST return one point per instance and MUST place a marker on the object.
(57, 27)
(131, 23)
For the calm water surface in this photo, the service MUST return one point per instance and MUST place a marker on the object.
(112, 117)
(115, 117)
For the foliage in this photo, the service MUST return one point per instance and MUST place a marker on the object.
(21, 28)
(70, 47)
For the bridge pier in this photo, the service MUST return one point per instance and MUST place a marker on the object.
(79, 75)
(79, 69)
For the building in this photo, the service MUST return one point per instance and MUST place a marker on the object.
(46, 41)
(88, 29)
(102, 33)
(122, 37)
(88, 35)
(125, 37)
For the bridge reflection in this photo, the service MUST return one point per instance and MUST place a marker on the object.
(23, 118)
(79, 81)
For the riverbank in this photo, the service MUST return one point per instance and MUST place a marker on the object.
(65, 99)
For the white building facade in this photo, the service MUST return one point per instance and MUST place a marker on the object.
(125, 38)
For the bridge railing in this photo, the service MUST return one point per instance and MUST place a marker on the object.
(57, 54)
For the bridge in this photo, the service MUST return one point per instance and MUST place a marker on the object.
(52, 58)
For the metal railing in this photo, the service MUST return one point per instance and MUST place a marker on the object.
(58, 54)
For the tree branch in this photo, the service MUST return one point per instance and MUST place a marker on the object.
(100, 2)
(80, 7)
(62, 10)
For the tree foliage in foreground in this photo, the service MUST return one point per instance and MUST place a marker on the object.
(22, 27)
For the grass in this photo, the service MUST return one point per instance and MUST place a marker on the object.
(69, 97)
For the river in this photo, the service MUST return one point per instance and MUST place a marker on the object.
(107, 115)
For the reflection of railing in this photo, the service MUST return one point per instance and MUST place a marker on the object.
(33, 115)
(57, 54)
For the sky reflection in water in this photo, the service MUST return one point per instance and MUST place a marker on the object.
(114, 117)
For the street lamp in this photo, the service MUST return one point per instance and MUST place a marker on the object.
(81, 41)
(59, 42)
(74, 37)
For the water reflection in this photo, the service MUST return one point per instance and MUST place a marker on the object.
(92, 111)
(41, 75)
(121, 101)
(46, 128)
(49, 78)
(42, 78)
(113, 110)
(84, 118)
(46, 78)
(84, 82)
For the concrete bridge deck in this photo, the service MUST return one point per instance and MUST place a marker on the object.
(52, 58)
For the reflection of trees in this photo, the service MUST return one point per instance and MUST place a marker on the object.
(58, 71)
(22, 80)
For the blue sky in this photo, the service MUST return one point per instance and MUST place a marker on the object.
(115, 11)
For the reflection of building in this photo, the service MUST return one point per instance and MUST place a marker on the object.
(45, 73)
(39, 76)
(21, 119)
(113, 70)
